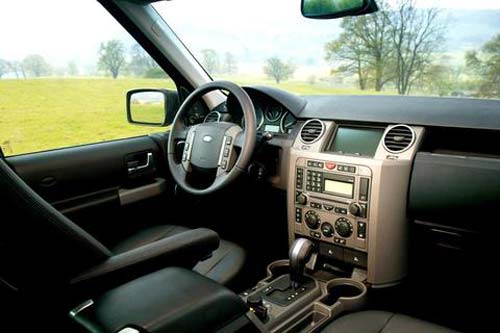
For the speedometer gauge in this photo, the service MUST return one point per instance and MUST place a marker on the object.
(273, 113)
(287, 123)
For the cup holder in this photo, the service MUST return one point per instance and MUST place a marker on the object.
(277, 269)
(350, 293)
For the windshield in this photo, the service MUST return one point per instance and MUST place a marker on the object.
(430, 48)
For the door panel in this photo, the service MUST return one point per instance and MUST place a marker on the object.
(107, 187)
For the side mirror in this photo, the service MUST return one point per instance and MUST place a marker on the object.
(328, 9)
(151, 107)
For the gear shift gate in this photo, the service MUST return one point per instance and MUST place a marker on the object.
(284, 292)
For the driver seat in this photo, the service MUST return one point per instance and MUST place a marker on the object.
(222, 266)
(41, 249)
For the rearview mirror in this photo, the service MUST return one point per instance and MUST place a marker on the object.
(150, 106)
(327, 9)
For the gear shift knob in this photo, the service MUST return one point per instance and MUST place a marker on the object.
(300, 253)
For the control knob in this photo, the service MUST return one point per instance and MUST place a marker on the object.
(301, 199)
(355, 209)
(327, 229)
(312, 219)
(343, 227)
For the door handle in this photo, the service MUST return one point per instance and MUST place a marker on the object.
(134, 166)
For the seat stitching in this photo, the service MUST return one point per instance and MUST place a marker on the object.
(386, 323)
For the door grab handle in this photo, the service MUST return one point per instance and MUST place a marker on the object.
(149, 158)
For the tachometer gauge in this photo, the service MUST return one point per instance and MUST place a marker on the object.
(273, 113)
(287, 123)
(259, 116)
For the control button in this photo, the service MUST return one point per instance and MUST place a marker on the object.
(330, 165)
(186, 146)
(343, 227)
(184, 157)
(327, 229)
(363, 189)
(339, 240)
(351, 169)
(327, 207)
(355, 257)
(364, 210)
(331, 251)
(315, 205)
(312, 219)
(315, 234)
(298, 215)
(229, 140)
(224, 164)
(226, 152)
(361, 230)
(340, 210)
(340, 168)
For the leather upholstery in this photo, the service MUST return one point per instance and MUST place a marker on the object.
(171, 300)
(38, 245)
(183, 249)
(382, 322)
(223, 266)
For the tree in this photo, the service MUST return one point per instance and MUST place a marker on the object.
(112, 57)
(17, 68)
(364, 48)
(210, 60)
(35, 65)
(140, 61)
(278, 70)
(4, 68)
(72, 69)
(416, 34)
(229, 66)
(486, 64)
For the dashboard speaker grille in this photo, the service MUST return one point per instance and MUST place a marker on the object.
(399, 139)
(312, 131)
(212, 117)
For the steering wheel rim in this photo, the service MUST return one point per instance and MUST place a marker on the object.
(233, 135)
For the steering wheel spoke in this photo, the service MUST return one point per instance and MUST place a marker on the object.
(188, 148)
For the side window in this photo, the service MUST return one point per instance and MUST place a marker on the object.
(65, 69)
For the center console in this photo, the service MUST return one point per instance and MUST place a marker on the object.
(347, 227)
(347, 191)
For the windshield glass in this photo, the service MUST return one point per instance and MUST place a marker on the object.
(433, 48)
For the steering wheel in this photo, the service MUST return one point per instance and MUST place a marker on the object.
(210, 147)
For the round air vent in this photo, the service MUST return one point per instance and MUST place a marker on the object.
(399, 138)
(212, 117)
(312, 131)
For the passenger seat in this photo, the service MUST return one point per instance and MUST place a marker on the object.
(382, 322)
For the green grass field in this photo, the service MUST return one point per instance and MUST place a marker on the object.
(44, 114)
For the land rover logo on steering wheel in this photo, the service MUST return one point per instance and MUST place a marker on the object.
(207, 139)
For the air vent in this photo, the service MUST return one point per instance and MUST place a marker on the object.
(399, 138)
(312, 131)
(212, 117)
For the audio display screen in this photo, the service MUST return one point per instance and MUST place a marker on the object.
(361, 141)
(340, 188)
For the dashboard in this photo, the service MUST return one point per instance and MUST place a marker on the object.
(356, 169)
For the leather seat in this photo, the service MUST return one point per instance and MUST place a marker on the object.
(222, 267)
(382, 322)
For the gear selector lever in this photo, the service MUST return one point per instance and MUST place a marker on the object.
(300, 253)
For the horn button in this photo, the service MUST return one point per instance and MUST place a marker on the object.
(207, 145)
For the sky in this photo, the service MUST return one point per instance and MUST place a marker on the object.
(72, 30)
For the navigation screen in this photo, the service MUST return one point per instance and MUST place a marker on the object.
(342, 188)
(356, 141)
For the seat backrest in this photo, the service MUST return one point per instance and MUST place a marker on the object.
(39, 247)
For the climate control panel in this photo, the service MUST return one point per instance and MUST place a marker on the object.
(332, 202)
